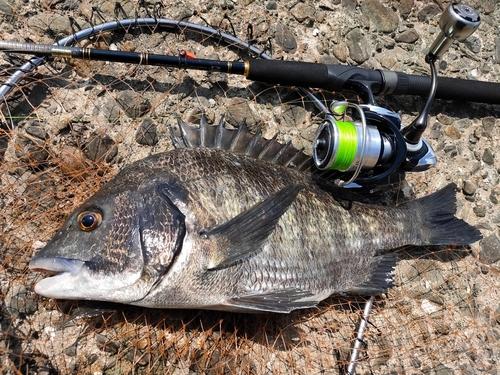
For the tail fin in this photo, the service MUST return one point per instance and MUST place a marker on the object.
(438, 216)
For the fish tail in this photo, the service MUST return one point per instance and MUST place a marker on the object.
(440, 225)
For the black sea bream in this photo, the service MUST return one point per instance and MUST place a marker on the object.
(234, 222)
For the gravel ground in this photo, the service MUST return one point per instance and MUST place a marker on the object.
(78, 123)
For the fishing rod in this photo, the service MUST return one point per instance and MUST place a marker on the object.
(290, 73)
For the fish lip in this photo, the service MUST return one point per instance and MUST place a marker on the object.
(61, 273)
(56, 266)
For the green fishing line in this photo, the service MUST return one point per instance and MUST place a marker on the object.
(348, 145)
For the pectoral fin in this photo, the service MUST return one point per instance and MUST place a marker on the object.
(244, 235)
(283, 301)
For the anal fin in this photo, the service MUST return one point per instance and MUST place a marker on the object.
(380, 276)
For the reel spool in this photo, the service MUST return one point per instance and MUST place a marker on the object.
(369, 149)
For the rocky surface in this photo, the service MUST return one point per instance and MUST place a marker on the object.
(72, 125)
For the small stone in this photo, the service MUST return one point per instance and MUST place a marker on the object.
(100, 147)
(474, 44)
(358, 45)
(469, 187)
(72, 163)
(490, 249)
(238, 111)
(488, 123)
(493, 198)
(31, 151)
(408, 36)
(405, 7)
(34, 128)
(293, 115)
(382, 18)
(444, 119)
(6, 8)
(488, 156)
(480, 211)
(133, 104)
(302, 12)
(227, 5)
(109, 346)
(271, 5)
(452, 132)
(71, 350)
(147, 133)
(284, 38)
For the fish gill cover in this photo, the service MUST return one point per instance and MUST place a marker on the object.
(73, 125)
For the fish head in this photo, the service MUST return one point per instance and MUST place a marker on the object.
(115, 247)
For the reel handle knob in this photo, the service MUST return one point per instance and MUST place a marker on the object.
(456, 23)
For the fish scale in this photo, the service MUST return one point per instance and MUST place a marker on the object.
(232, 221)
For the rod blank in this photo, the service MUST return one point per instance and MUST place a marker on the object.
(124, 57)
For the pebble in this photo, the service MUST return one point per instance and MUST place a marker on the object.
(490, 249)
(6, 8)
(31, 151)
(488, 123)
(497, 317)
(473, 44)
(72, 163)
(488, 156)
(238, 111)
(382, 18)
(469, 187)
(480, 210)
(271, 5)
(293, 116)
(452, 132)
(358, 45)
(35, 129)
(302, 12)
(147, 133)
(408, 36)
(405, 7)
(493, 198)
(100, 147)
(133, 104)
(284, 38)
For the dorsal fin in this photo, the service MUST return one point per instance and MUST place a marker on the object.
(241, 141)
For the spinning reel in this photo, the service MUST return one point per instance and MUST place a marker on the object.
(372, 145)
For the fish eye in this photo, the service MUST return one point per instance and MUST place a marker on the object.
(89, 220)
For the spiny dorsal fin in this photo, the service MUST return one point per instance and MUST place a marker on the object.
(241, 141)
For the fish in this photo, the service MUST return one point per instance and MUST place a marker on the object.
(229, 220)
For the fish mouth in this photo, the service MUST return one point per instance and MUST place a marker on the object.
(59, 270)
(56, 266)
